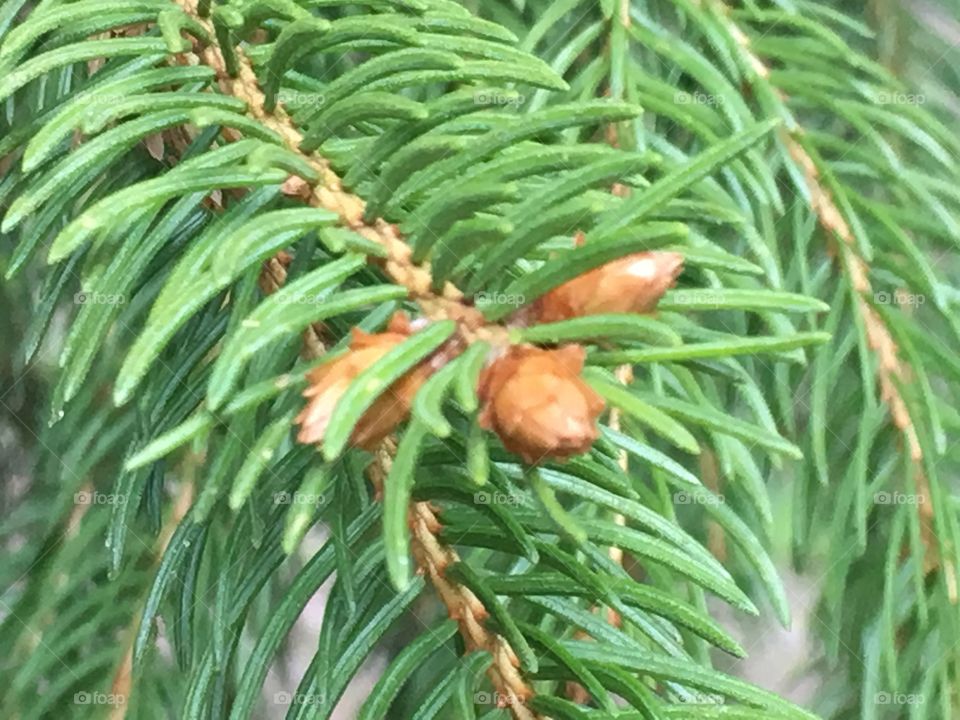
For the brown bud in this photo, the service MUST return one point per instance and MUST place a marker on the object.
(631, 284)
(274, 272)
(329, 381)
(538, 404)
(295, 186)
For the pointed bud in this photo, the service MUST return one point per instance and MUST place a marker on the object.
(631, 284)
(330, 381)
(536, 401)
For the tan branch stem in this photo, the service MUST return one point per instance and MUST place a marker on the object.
(433, 558)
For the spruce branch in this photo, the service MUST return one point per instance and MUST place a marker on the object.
(328, 193)
(431, 555)
(433, 559)
(236, 78)
(893, 372)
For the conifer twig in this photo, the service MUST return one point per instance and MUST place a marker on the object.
(892, 371)
(329, 194)
(431, 555)
(433, 558)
